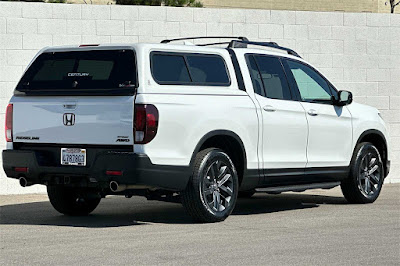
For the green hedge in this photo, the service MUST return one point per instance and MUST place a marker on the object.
(191, 3)
(23, 0)
(139, 2)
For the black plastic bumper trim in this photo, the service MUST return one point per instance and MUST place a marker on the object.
(137, 170)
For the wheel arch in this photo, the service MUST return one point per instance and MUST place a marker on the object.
(377, 138)
(228, 141)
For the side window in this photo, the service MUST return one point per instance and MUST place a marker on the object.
(312, 87)
(170, 68)
(255, 76)
(268, 77)
(207, 69)
(273, 78)
(334, 92)
(189, 69)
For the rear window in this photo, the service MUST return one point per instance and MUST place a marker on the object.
(189, 69)
(92, 72)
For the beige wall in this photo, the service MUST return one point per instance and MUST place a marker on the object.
(374, 6)
(356, 51)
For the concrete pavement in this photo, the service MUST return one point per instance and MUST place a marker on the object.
(317, 227)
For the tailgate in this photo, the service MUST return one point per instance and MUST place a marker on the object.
(73, 120)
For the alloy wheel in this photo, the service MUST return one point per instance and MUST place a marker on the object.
(217, 187)
(369, 176)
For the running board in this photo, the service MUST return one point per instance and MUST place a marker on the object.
(298, 188)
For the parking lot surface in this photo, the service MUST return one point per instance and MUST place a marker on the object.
(317, 227)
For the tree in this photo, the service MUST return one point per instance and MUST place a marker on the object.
(190, 3)
(139, 2)
(393, 4)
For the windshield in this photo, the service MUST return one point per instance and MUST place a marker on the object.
(84, 71)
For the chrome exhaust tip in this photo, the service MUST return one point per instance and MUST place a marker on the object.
(114, 187)
(23, 182)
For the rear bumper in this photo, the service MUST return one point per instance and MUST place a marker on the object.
(137, 169)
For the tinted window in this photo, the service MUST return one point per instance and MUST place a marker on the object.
(170, 68)
(207, 69)
(273, 77)
(270, 75)
(83, 70)
(311, 85)
(189, 69)
(255, 76)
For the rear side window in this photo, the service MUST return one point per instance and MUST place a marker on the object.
(255, 76)
(81, 71)
(170, 68)
(267, 71)
(207, 69)
(189, 69)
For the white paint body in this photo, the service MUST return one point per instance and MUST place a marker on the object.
(286, 138)
(99, 119)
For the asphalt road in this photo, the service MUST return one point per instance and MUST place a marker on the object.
(312, 228)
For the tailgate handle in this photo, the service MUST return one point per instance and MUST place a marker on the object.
(69, 106)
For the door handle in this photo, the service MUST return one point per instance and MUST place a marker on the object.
(312, 112)
(269, 108)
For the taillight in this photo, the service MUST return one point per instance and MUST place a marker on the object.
(9, 123)
(146, 123)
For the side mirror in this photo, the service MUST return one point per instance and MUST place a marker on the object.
(344, 98)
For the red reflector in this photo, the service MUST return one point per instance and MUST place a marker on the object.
(21, 169)
(118, 173)
(9, 123)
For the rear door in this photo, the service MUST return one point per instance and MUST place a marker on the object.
(77, 97)
(284, 137)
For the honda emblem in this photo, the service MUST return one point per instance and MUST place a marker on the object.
(69, 119)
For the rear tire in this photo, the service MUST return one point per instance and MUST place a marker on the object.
(366, 175)
(70, 201)
(213, 187)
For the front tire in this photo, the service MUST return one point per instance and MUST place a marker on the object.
(366, 175)
(72, 202)
(213, 187)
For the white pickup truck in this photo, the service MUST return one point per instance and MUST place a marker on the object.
(198, 124)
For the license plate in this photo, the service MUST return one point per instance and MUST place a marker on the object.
(73, 156)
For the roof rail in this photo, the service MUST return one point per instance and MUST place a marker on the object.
(244, 43)
(213, 43)
(205, 37)
(237, 42)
